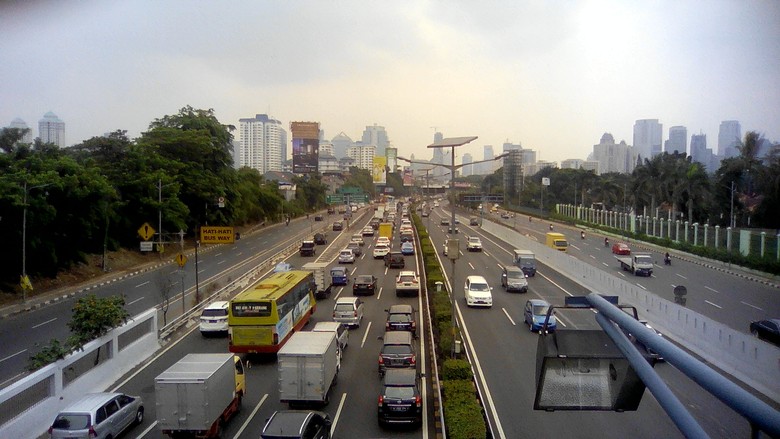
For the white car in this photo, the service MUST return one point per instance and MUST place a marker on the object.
(346, 256)
(384, 240)
(380, 250)
(407, 282)
(474, 244)
(214, 318)
(477, 292)
(357, 237)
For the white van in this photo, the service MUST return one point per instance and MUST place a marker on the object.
(341, 331)
(477, 292)
(214, 318)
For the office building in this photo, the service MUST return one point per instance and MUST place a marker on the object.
(729, 136)
(377, 136)
(572, 163)
(614, 157)
(52, 130)
(647, 138)
(263, 144)
(363, 155)
(19, 124)
(340, 144)
(468, 168)
(678, 140)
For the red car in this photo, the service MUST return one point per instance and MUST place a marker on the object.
(620, 249)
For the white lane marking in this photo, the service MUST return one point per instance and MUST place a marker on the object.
(339, 293)
(507, 316)
(142, 284)
(640, 286)
(593, 257)
(251, 416)
(136, 300)
(553, 282)
(41, 324)
(752, 306)
(239, 253)
(674, 286)
(714, 291)
(365, 336)
(221, 262)
(472, 267)
(174, 271)
(605, 264)
(678, 274)
(13, 378)
(713, 304)
(561, 322)
(148, 429)
(338, 414)
(218, 254)
(574, 246)
(201, 271)
(13, 355)
(380, 293)
(621, 274)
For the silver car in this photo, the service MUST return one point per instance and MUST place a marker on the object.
(99, 416)
(348, 311)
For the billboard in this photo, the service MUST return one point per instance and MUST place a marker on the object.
(379, 170)
(408, 176)
(392, 158)
(305, 146)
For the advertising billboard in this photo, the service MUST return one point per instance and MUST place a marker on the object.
(379, 170)
(392, 158)
(305, 146)
(408, 176)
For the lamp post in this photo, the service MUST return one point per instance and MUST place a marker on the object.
(25, 282)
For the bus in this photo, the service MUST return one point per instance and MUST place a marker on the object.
(262, 318)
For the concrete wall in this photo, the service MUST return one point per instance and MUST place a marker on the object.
(753, 362)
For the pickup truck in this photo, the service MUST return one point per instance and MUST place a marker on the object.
(639, 264)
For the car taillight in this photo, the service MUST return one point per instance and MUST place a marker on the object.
(381, 400)
(381, 360)
(414, 359)
(387, 326)
(417, 400)
(92, 432)
(354, 313)
(414, 325)
(50, 429)
(276, 338)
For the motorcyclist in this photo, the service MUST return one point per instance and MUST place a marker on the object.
(606, 242)
(582, 234)
(551, 226)
(667, 259)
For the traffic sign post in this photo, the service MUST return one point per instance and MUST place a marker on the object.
(146, 231)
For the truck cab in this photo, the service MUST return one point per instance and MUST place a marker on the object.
(557, 241)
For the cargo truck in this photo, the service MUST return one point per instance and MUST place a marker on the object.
(320, 279)
(386, 230)
(557, 241)
(308, 366)
(639, 264)
(199, 394)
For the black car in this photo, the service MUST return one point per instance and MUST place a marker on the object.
(319, 239)
(300, 424)
(307, 248)
(364, 284)
(401, 318)
(338, 225)
(474, 222)
(767, 330)
(318, 218)
(331, 210)
(400, 401)
(395, 260)
(398, 351)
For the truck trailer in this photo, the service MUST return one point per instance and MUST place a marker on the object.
(308, 366)
(197, 395)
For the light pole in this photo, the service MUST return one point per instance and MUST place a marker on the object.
(25, 281)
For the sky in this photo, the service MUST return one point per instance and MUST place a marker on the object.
(553, 76)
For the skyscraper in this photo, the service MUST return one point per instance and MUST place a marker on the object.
(678, 140)
(647, 138)
(363, 155)
(614, 157)
(468, 168)
(263, 144)
(22, 125)
(487, 154)
(729, 136)
(340, 144)
(377, 136)
(52, 130)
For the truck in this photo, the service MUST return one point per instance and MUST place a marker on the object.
(199, 394)
(639, 264)
(308, 367)
(557, 241)
(525, 260)
(386, 230)
(321, 278)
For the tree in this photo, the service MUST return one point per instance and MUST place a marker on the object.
(93, 317)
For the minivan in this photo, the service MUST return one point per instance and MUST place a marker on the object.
(98, 416)
(477, 292)
(397, 351)
(214, 318)
(348, 310)
(513, 279)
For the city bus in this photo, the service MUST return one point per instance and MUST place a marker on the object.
(262, 318)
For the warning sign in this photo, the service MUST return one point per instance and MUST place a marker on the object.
(217, 235)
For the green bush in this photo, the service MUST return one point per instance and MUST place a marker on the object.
(456, 370)
(462, 412)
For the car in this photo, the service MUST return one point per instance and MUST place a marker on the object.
(355, 247)
(98, 415)
(346, 256)
(407, 282)
(445, 247)
(380, 251)
(375, 223)
(213, 319)
(477, 292)
(397, 351)
(348, 310)
(331, 210)
(298, 424)
(357, 237)
(307, 248)
(341, 331)
(318, 218)
(474, 244)
(653, 354)
(282, 267)
(400, 401)
(535, 313)
(620, 248)
(364, 284)
(394, 259)
(474, 221)
(320, 239)
(401, 318)
(505, 215)
(384, 240)
(767, 330)
(407, 248)
(444, 222)
(407, 237)
(338, 225)
(513, 279)
(368, 231)
(452, 230)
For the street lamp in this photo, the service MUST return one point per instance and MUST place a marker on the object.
(25, 281)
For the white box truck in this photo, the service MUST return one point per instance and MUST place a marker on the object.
(198, 394)
(308, 367)
(320, 279)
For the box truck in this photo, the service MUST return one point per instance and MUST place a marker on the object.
(308, 366)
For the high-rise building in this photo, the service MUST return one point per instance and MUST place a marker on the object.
(647, 138)
(729, 136)
(22, 125)
(700, 153)
(377, 136)
(572, 163)
(363, 155)
(468, 168)
(340, 144)
(614, 157)
(52, 130)
(513, 174)
(678, 140)
(487, 167)
(263, 144)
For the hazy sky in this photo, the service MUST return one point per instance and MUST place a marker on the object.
(551, 75)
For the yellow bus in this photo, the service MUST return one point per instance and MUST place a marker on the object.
(262, 318)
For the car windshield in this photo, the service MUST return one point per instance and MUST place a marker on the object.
(396, 349)
(401, 392)
(644, 259)
(344, 307)
(511, 275)
(347, 253)
(540, 310)
(479, 287)
(363, 279)
(381, 247)
(399, 318)
(474, 240)
(214, 312)
(71, 421)
(406, 279)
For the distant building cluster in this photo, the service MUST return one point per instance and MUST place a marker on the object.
(50, 130)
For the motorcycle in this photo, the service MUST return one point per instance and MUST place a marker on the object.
(582, 235)
(606, 242)
(551, 226)
(667, 260)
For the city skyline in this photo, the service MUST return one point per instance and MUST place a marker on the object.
(553, 79)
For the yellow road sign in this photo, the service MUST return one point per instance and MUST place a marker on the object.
(146, 231)
(217, 235)
(181, 259)
(25, 283)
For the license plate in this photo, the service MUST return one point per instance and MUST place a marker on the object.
(397, 409)
(212, 321)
